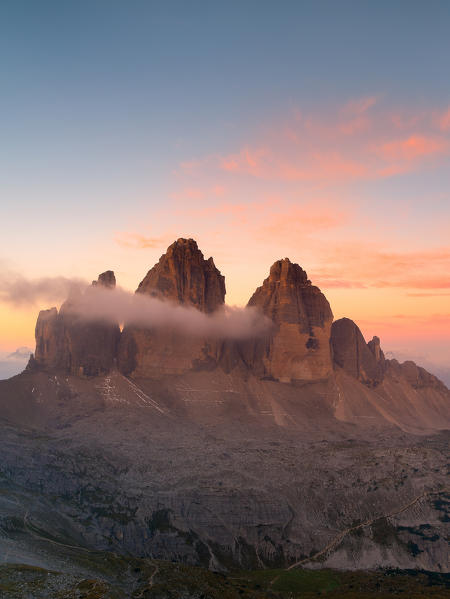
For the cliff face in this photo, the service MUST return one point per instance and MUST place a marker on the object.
(64, 341)
(299, 347)
(181, 276)
(363, 361)
(185, 277)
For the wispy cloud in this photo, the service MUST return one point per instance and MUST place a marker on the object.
(137, 241)
(412, 148)
(444, 120)
(366, 265)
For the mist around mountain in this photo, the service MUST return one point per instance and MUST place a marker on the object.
(12, 363)
(438, 369)
(297, 449)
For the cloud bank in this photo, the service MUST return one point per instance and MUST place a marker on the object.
(20, 291)
(121, 306)
(137, 309)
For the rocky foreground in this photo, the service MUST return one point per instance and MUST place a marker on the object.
(300, 448)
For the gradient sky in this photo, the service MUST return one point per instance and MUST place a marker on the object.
(314, 130)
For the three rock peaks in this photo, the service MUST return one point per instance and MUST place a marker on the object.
(303, 344)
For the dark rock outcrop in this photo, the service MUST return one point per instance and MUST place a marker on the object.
(67, 342)
(364, 361)
(299, 346)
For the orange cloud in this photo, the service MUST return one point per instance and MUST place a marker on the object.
(318, 166)
(248, 161)
(352, 143)
(413, 147)
(198, 193)
(444, 121)
(137, 241)
(359, 264)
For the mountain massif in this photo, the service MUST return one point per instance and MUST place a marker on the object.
(300, 446)
(304, 344)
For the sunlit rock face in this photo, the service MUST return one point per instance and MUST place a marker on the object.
(299, 346)
(184, 277)
(66, 342)
(364, 361)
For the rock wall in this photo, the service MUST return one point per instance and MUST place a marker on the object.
(364, 361)
(182, 276)
(66, 342)
(299, 346)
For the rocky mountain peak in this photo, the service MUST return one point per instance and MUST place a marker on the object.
(299, 348)
(184, 276)
(286, 271)
(105, 279)
(288, 296)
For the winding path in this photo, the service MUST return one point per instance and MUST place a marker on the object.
(340, 537)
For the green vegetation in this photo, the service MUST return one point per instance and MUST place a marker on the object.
(117, 577)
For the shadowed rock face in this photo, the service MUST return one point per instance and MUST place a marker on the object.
(416, 376)
(299, 347)
(66, 342)
(107, 279)
(364, 361)
(182, 276)
(48, 334)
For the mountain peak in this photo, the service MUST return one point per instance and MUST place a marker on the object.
(184, 276)
(299, 348)
(106, 279)
(285, 270)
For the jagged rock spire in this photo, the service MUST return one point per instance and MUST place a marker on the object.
(184, 276)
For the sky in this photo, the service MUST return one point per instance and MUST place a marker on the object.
(317, 130)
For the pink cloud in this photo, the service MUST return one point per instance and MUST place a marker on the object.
(352, 143)
(444, 121)
(137, 241)
(198, 193)
(248, 161)
(360, 105)
(361, 264)
(411, 148)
